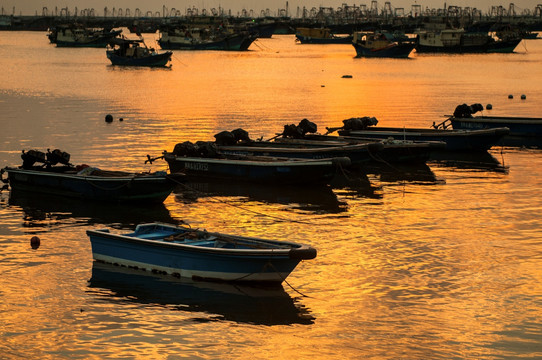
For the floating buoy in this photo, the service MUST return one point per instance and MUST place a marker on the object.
(510, 96)
(523, 97)
(121, 119)
(35, 242)
(489, 107)
(108, 118)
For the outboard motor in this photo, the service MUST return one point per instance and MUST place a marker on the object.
(185, 149)
(359, 123)
(240, 135)
(476, 107)
(307, 126)
(31, 157)
(58, 156)
(206, 149)
(225, 138)
(298, 131)
(292, 131)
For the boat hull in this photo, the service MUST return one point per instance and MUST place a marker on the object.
(315, 40)
(492, 47)
(358, 154)
(146, 249)
(113, 189)
(236, 42)
(401, 50)
(523, 131)
(157, 60)
(456, 140)
(280, 171)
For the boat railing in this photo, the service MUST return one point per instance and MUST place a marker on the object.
(443, 125)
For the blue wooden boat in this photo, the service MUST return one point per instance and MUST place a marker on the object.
(257, 168)
(320, 36)
(390, 150)
(382, 45)
(86, 182)
(191, 253)
(357, 153)
(523, 131)
(129, 52)
(455, 140)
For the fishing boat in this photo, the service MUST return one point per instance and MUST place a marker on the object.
(79, 36)
(452, 40)
(523, 131)
(320, 36)
(198, 254)
(261, 169)
(204, 38)
(455, 140)
(55, 175)
(382, 45)
(357, 153)
(134, 52)
(390, 151)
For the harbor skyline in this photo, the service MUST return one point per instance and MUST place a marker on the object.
(39, 7)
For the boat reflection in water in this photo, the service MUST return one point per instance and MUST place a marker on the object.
(59, 210)
(418, 173)
(219, 301)
(354, 182)
(316, 199)
(475, 160)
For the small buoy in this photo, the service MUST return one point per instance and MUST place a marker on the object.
(523, 97)
(510, 96)
(121, 119)
(108, 118)
(35, 242)
(489, 107)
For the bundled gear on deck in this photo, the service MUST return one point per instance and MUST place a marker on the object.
(466, 111)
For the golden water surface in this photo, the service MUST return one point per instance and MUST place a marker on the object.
(434, 262)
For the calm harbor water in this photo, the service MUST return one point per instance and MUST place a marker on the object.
(434, 262)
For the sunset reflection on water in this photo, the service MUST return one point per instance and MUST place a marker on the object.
(436, 261)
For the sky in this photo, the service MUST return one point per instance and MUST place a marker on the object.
(33, 7)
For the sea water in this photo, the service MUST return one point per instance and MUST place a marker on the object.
(430, 262)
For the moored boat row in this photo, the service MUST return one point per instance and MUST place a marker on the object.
(298, 155)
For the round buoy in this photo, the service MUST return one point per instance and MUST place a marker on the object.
(35, 242)
(108, 118)
(510, 96)
(523, 97)
(121, 119)
(489, 107)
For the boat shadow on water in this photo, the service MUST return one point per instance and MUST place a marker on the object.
(58, 210)
(315, 199)
(414, 173)
(475, 160)
(219, 301)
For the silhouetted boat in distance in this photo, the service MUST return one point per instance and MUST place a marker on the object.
(134, 52)
(382, 45)
(320, 36)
